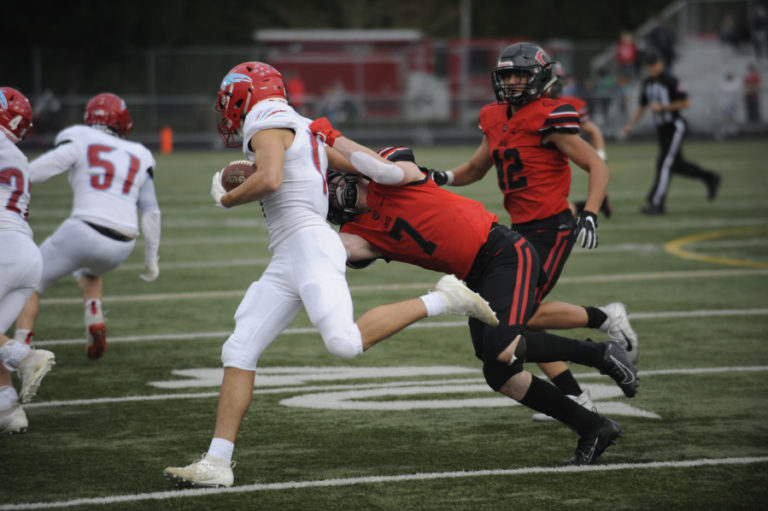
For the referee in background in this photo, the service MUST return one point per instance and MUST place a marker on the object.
(662, 93)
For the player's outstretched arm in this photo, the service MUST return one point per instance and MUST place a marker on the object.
(365, 160)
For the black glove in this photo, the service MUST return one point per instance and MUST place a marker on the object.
(438, 176)
(586, 229)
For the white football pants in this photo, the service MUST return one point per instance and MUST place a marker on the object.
(20, 269)
(308, 267)
(77, 248)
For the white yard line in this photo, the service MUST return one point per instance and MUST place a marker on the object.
(338, 387)
(393, 479)
(430, 324)
(616, 277)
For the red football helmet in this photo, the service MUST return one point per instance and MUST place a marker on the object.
(245, 85)
(15, 113)
(109, 110)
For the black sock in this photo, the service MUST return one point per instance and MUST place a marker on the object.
(595, 317)
(567, 383)
(546, 398)
(546, 347)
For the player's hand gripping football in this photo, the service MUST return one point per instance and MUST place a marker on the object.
(586, 229)
(323, 128)
(217, 190)
(152, 271)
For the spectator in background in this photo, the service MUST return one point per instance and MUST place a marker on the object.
(626, 55)
(728, 31)
(662, 41)
(752, 82)
(759, 22)
(603, 94)
(333, 104)
(729, 97)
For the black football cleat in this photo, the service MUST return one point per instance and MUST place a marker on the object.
(652, 209)
(713, 185)
(592, 445)
(616, 365)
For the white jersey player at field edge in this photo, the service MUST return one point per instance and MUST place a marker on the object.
(20, 264)
(110, 177)
(308, 258)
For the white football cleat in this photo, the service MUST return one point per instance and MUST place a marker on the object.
(32, 370)
(618, 329)
(207, 472)
(582, 399)
(13, 420)
(462, 301)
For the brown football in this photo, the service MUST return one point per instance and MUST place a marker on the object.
(235, 173)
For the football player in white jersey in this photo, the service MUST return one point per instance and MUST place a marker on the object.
(308, 258)
(20, 264)
(110, 177)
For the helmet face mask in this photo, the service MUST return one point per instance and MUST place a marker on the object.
(242, 87)
(522, 59)
(15, 114)
(342, 197)
(110, 111)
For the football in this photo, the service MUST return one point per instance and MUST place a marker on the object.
(235, 173)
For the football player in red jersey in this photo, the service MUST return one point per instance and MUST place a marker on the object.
(529, 138)
(401, 214)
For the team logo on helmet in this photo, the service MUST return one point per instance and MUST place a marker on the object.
(234, 78)
(540, 55)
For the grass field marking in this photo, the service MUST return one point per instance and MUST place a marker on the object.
(615, 277)
(362, 386)
(351, 481)
(223, 334)
(676, 247)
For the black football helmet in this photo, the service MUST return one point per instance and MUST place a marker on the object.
(529, 59)
(342, 200)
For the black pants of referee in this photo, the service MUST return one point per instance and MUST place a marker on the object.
(670, 161)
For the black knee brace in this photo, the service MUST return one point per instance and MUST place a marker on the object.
(497, 373)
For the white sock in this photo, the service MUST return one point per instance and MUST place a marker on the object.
(12, 353)
(222, 449)
(21, 335)
(435, 304)
(8, 397)
(91, 317)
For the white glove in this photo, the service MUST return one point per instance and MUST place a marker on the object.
(601, 154)
(217, 190)
(152, 270)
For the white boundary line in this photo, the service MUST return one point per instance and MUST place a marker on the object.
(351, 481)
(429, 324)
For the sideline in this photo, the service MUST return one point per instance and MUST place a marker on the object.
(350, 481)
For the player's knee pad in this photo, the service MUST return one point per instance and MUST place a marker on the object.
(345, 343)
(497, 373)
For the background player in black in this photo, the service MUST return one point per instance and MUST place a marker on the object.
(662, 93)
